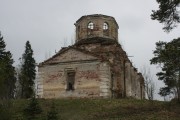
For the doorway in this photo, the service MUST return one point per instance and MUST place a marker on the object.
(70, 80)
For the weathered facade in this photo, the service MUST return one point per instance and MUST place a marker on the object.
(96, 66)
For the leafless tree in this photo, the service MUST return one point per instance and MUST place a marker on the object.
(148, 81)
(72, 40)
(65, 42)
(47, 54)
(18, 85)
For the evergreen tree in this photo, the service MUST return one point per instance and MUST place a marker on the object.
(33, 109)
(7, 72)
(168, 56)
(5, 110)
(52, 114)
(168, 13)
(28, 72)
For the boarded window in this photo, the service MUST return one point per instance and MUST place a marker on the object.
(70, 80)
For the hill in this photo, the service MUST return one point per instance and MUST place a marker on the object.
(102, 109)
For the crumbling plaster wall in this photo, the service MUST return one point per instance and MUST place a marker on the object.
(114, 54)
(128, 79)
(70, 55)
(92, 80)
(134, 82)
(111, 76)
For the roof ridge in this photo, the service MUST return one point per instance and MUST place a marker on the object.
(62, 50)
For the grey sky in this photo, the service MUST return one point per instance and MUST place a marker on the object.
(49, 25)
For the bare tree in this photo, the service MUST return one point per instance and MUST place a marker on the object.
(18, 90)
(65, 42)
(48, 54)
(72, 40)
(148, 81)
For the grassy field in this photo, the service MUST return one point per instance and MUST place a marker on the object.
(102, 109)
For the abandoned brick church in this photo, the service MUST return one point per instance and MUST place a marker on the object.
(96, 66)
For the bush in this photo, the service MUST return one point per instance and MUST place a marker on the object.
(33, 109)
(5, 111)
(52, 114)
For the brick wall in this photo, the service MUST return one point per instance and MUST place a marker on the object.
(82, 31)
(91, 80)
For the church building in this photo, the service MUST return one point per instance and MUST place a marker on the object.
(95, 66)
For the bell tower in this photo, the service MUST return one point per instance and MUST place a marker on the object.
(96, 25)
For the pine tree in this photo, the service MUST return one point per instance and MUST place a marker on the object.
(52, 114)
(7, 72)
(167, 54)
(168, 13)
(28, 72)
(33, 109)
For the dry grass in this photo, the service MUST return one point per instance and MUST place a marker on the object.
(103, 109)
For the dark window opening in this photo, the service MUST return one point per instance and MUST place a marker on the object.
(70, 80)
(70, 86)
(141, 92)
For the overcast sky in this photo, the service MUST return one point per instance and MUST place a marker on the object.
(49, 25)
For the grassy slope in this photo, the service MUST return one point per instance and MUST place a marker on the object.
(104, 109)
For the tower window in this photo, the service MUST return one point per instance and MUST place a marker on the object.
(105, 29)
(105, 26)
(70, 81)
(91, 25)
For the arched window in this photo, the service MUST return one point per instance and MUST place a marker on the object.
(91, 25)
(105, 26)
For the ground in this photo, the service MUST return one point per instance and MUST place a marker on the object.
(103, 109)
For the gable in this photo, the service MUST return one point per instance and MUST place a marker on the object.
(71, 55)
